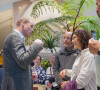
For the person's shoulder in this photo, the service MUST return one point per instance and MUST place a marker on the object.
(41, 68)
(75, 51)
(14, 34)
(86, 53)
(11, 35)
(8, 38)
(48, 68)
(60, 51)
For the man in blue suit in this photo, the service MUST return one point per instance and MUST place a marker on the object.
(16, 59)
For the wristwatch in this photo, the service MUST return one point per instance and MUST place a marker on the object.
(98, 52)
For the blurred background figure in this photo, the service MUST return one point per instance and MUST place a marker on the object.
(50, 82)
(38, 72)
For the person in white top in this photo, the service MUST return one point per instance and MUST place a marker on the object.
(50, 82)
(83, 70)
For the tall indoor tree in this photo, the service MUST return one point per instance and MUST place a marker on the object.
(71, 10)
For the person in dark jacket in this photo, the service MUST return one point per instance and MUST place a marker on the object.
(64, 59)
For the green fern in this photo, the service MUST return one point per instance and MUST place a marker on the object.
(70, 7)
(90, 23)
(38, 7)
(49, 41)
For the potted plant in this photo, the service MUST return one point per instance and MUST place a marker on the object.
(50, 41)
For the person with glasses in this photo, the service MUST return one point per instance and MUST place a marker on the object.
(64, 59)
(38, 72)
(82, 74)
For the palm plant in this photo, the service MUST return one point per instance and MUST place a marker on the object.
(90, 23)
(43, 26)
(71, 10)
(50, 41)
(39, 6)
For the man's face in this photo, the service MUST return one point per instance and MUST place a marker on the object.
(98, 7)
(28, 29)
(67, 40)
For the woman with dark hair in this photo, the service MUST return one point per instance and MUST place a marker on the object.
(83, 70)
(38, 72)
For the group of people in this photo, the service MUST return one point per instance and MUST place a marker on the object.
(42, 76)
(83, 70)
(72, 68)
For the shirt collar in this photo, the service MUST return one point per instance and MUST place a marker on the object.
(20, 34)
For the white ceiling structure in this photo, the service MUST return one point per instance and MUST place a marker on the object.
(6, 4)
(7, 17)
(10, 12)
(6, 12)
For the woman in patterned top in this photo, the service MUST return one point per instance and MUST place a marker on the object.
(38, 72)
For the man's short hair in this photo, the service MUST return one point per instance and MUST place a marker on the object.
(22, 20)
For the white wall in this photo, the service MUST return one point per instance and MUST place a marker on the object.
(5, 25)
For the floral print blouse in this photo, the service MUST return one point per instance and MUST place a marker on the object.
(41, 74)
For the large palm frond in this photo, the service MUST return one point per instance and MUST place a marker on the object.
(42, 27)
(73, 8)
(76, 8)
(50, 5)
(70, 7)
(90, 23)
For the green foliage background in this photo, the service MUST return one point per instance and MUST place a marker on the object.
(45, 63)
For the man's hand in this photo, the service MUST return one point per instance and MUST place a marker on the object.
(62, 74)
(94, 46)
(49, 84)
(38, 41)
(63, 84)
